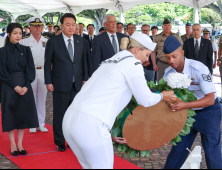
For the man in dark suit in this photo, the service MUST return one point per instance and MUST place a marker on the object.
(148, 67)
(65, 72)
(106, 44)
(198, 48)
(91, 36)
(81, 29)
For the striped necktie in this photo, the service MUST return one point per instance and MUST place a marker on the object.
(196, 49)
(114, 43)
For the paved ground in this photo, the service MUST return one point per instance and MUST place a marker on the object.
(155, 161)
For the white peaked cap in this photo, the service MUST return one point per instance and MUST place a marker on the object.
(35, 21)
(145, 40)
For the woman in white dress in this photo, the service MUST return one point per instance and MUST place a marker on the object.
(89, 119)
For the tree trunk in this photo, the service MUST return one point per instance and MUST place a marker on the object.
(59, 17)
(98, 17)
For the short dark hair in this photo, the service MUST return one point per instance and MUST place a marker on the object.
(26, 27)
(56, 26)
(82, 24)
(10, 29)
(119, 23)
(67, 15)
(154, 27)
(129, 25)
(102, 29)
(90, 25)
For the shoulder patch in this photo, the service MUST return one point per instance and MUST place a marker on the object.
(207, 77)
(115, 61)
(137, 63)
(26, 37)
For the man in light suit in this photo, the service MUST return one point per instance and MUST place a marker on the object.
(65, 72)
(106, 44)
(198, 48)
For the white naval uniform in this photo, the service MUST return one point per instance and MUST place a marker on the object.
(2, 41)
(214, 45)
(202, 82)
(38, 86)
(89, 119)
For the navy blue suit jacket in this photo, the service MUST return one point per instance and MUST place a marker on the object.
(205, 52)
(63, 68)
(102, 49)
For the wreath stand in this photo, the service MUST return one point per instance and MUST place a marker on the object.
(194, 159)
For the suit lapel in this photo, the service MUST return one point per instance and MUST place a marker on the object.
(119, 38)
(202, 43)
(77, 47)
(108, 44)
(192, 45)
(63, 45)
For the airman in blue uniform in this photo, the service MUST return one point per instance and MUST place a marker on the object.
(207, 108)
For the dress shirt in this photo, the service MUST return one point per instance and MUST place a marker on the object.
(2, 41)
(92, 37)
(116, 38)
(81, 35)
(66, 39)
(199, 41)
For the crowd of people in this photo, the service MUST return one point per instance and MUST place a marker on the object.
(93, 77)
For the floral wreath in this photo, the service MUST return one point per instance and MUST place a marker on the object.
(177, 82)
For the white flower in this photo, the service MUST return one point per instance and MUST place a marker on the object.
(178, 80)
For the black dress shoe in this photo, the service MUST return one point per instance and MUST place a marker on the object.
(63, 149)
(15, 153)
(23, 152)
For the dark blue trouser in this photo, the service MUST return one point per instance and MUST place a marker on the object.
(208, 122)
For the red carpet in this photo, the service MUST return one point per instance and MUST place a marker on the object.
(42, 153)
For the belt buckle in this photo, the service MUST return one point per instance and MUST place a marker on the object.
(38, 68)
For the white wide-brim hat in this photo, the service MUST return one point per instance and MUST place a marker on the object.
(145, 40)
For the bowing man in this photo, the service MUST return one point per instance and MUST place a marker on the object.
(207, 108)
(65, 53)
(106, 44)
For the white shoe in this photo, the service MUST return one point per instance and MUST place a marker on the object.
(33, 130)
(43, 129)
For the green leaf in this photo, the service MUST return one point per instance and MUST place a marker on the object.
(148, 153)
(161, 82)
(133, 153)
(186, 129)
(121, 114)
(151, 84)
(178, 139)
(142, 153)
(115, 132)
(174, 143)
(191, 113)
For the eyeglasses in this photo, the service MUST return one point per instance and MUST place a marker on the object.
(132, 28)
